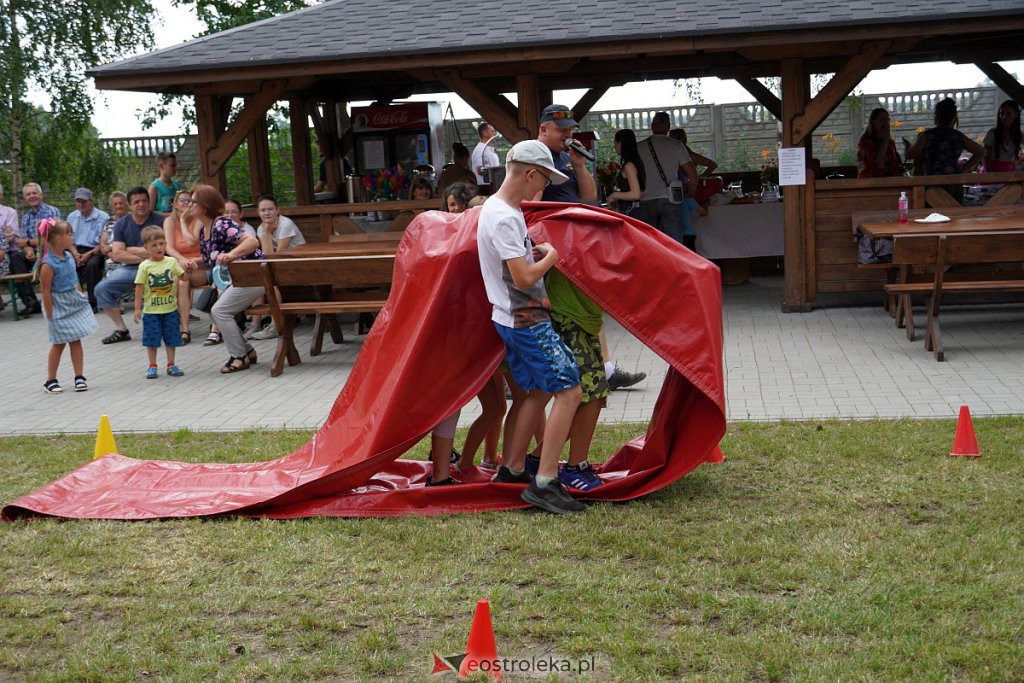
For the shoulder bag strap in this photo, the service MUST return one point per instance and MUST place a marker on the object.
(650, 143)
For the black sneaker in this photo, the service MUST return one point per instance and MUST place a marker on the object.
(505, 476)
(552, 498)
(117, 336)
(622, 379)
(531, 464)
(444, 482)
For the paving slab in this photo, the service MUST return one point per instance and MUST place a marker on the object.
(842, 362)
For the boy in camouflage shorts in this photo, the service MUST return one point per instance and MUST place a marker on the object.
(578, 320)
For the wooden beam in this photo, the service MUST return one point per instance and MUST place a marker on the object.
(838, 88)
(529, 102)
(1005, 80)
(302, 162)
(260, 178)
(795, 84)
(208, 123)
(587, 102)
(255, 109)
(762, 94)
(486, 105)
(333, 156)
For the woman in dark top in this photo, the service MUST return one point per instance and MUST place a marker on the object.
(937, 150)
(876, 152)
(221, 241)
(632, 179)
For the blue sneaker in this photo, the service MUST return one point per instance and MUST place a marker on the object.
(532, 464)
(174, 371)
(581, 477)
(151, 373)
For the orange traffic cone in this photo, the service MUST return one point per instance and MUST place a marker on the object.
(965, 443)
(481, 652)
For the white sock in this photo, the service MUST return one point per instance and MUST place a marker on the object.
(609, 369)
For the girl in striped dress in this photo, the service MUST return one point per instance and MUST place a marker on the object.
(65, 307)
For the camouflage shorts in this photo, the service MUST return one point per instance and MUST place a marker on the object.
(586, 348)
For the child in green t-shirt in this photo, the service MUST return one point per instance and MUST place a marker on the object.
(156, 301)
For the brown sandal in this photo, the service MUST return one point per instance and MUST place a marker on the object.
(251, 356)
(230, 366)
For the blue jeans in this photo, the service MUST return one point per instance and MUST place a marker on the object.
(112, 288)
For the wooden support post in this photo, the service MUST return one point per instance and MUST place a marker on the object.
(209, 119)
(845, 80)
(1005, 80)
(795, 86)
(587, 102)
(255, 108)
(333, 158)
(302, 162)
(260, 179)
(762, 94)
(546, 96)
(529, 102)
(486, 104)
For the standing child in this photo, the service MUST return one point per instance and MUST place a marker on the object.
(540, 362)
(156, 284)
(165, 185)
(66, 308)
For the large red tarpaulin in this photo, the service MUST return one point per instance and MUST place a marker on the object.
(430, 351)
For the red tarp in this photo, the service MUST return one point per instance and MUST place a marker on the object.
(430, 351)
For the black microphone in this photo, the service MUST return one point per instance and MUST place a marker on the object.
(573, 145)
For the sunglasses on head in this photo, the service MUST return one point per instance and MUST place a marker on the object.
(561, 115)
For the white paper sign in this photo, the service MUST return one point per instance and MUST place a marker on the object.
(792, 166)
(373, 154)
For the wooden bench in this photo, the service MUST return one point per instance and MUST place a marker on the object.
(939, 252)
(12, 281)
(323, 287)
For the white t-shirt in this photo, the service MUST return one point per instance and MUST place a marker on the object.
(1006, 152)
(285, 228)
(671, 154)
(501, 235)
(483, 155)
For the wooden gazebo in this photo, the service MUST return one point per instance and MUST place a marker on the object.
(320, 58)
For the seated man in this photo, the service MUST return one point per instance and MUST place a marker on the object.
(126, 248)
(87, 223)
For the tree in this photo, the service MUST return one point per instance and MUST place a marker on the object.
(47, 46)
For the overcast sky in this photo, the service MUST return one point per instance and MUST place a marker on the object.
(117, 113)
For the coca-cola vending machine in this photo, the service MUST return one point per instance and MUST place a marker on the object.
(406, 133)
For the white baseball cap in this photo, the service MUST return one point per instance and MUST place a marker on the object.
(536, 153)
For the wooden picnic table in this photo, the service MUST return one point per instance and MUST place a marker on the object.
(954, 226)
(325, 249)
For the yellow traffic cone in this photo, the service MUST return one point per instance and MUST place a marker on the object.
(104, 439)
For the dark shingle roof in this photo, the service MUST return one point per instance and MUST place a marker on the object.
(360, 29)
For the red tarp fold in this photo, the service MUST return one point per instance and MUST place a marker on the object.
(430, 351)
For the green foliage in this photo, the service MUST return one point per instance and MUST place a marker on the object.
(281, 173)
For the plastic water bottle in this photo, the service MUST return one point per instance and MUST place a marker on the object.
(904, 208)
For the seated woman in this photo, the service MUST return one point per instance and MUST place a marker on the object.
(457, 171)
(276, 233)
(181, 231)
(1002, 143)
(876, 151)
(221, 241)
(422, 189)
(937, 150)
(458, 195)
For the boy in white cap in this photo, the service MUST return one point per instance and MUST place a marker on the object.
(540, 362)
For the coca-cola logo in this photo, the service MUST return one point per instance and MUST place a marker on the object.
(389, 118)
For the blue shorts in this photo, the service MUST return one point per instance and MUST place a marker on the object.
(157, 326)
(538, 358)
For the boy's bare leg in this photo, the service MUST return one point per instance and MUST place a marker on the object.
(151, 352)
(531, 410)
(557, 430)
(518, 397)
(581, 433)
(492, 401)
(441, 453)
(170, 355)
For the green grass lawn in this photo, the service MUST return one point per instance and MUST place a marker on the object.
(829, 551)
